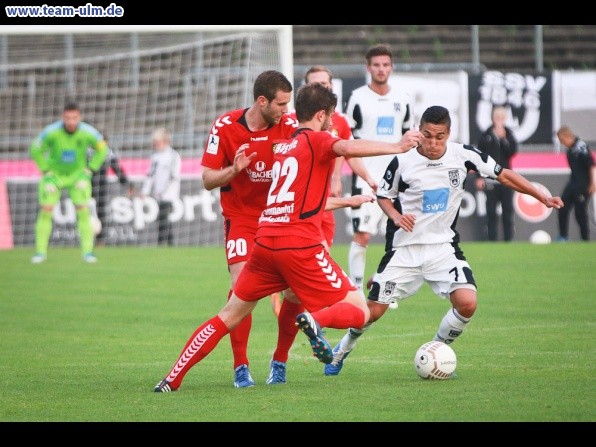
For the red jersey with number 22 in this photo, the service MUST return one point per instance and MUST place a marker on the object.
(302, 168)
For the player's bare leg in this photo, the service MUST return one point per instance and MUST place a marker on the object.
(276, 303)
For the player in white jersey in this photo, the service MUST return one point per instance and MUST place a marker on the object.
(421, 193)
(379, 112)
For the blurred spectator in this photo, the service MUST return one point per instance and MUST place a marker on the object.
(499, 142)
(163, 182)
(581, 184)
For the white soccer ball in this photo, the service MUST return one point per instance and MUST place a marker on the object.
(435, 360)
(96, 225)
(540, 237)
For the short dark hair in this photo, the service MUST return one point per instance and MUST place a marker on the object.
(269, 83)
(312, 98)
(381, 49)
(436, 115)
(71, 105)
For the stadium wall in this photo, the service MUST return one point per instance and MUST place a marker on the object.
(197, 215)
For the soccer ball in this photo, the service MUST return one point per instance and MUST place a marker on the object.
(540, 237)
(96, 225)
(435, 360)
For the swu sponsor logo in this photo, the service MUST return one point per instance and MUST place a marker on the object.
(435, 201)
(385, 125)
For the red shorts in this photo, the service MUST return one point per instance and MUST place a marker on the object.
(239, 238)
(316, 279)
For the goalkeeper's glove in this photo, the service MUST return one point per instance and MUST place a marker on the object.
(50, 186)
(82, 184)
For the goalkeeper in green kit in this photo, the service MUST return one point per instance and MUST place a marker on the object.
(60, 152)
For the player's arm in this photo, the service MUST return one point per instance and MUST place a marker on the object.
(360, 170)
(355, 201)
(353, 113)
(117, 168)
(336, 186)
(408, 122)
(216, 178)
(404, 221)
(515, 181)
(38, 154)
(388, 197)
(101, 152)
(592, 184)
(176, 167)
(369, 148)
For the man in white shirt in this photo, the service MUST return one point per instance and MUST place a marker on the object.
(163, 182)
(375, 111)
(421, 193)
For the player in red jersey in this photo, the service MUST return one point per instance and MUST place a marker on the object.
(244, 178)
(287, 331)
(288, 251)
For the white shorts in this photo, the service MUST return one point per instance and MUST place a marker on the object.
(369, 218)
(404, 271)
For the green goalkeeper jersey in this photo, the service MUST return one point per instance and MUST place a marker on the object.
(65, 153)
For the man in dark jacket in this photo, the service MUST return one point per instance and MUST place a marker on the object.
(499, 142)
(581, 184)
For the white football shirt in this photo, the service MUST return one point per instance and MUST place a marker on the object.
(432, 190)
(381, 118)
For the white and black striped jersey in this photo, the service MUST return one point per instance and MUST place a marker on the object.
(381, 118)
(432, 190)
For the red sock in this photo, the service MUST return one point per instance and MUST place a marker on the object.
(201, 343)
(286, 329)
(340, 316)
(239, 339)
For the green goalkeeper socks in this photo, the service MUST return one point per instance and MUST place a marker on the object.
(85, 230)
(43, 231)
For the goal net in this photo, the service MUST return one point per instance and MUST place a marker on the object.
(128, 81)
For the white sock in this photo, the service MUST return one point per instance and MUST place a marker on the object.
(451, 327)
(356, 264)
(348, 341)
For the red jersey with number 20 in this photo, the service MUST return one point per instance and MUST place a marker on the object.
(245, 195)
(302, 167)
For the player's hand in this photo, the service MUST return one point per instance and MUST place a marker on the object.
(410, 139)
(50, 184)
(405, 222)
(554, 202)
(241, 160)
(88, 173)
(480, 183)
(359, 199)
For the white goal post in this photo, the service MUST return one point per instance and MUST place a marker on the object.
(128, 80)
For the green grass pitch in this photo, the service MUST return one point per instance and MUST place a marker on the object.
(87, 343)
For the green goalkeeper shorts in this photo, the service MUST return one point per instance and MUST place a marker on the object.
(77, 184)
